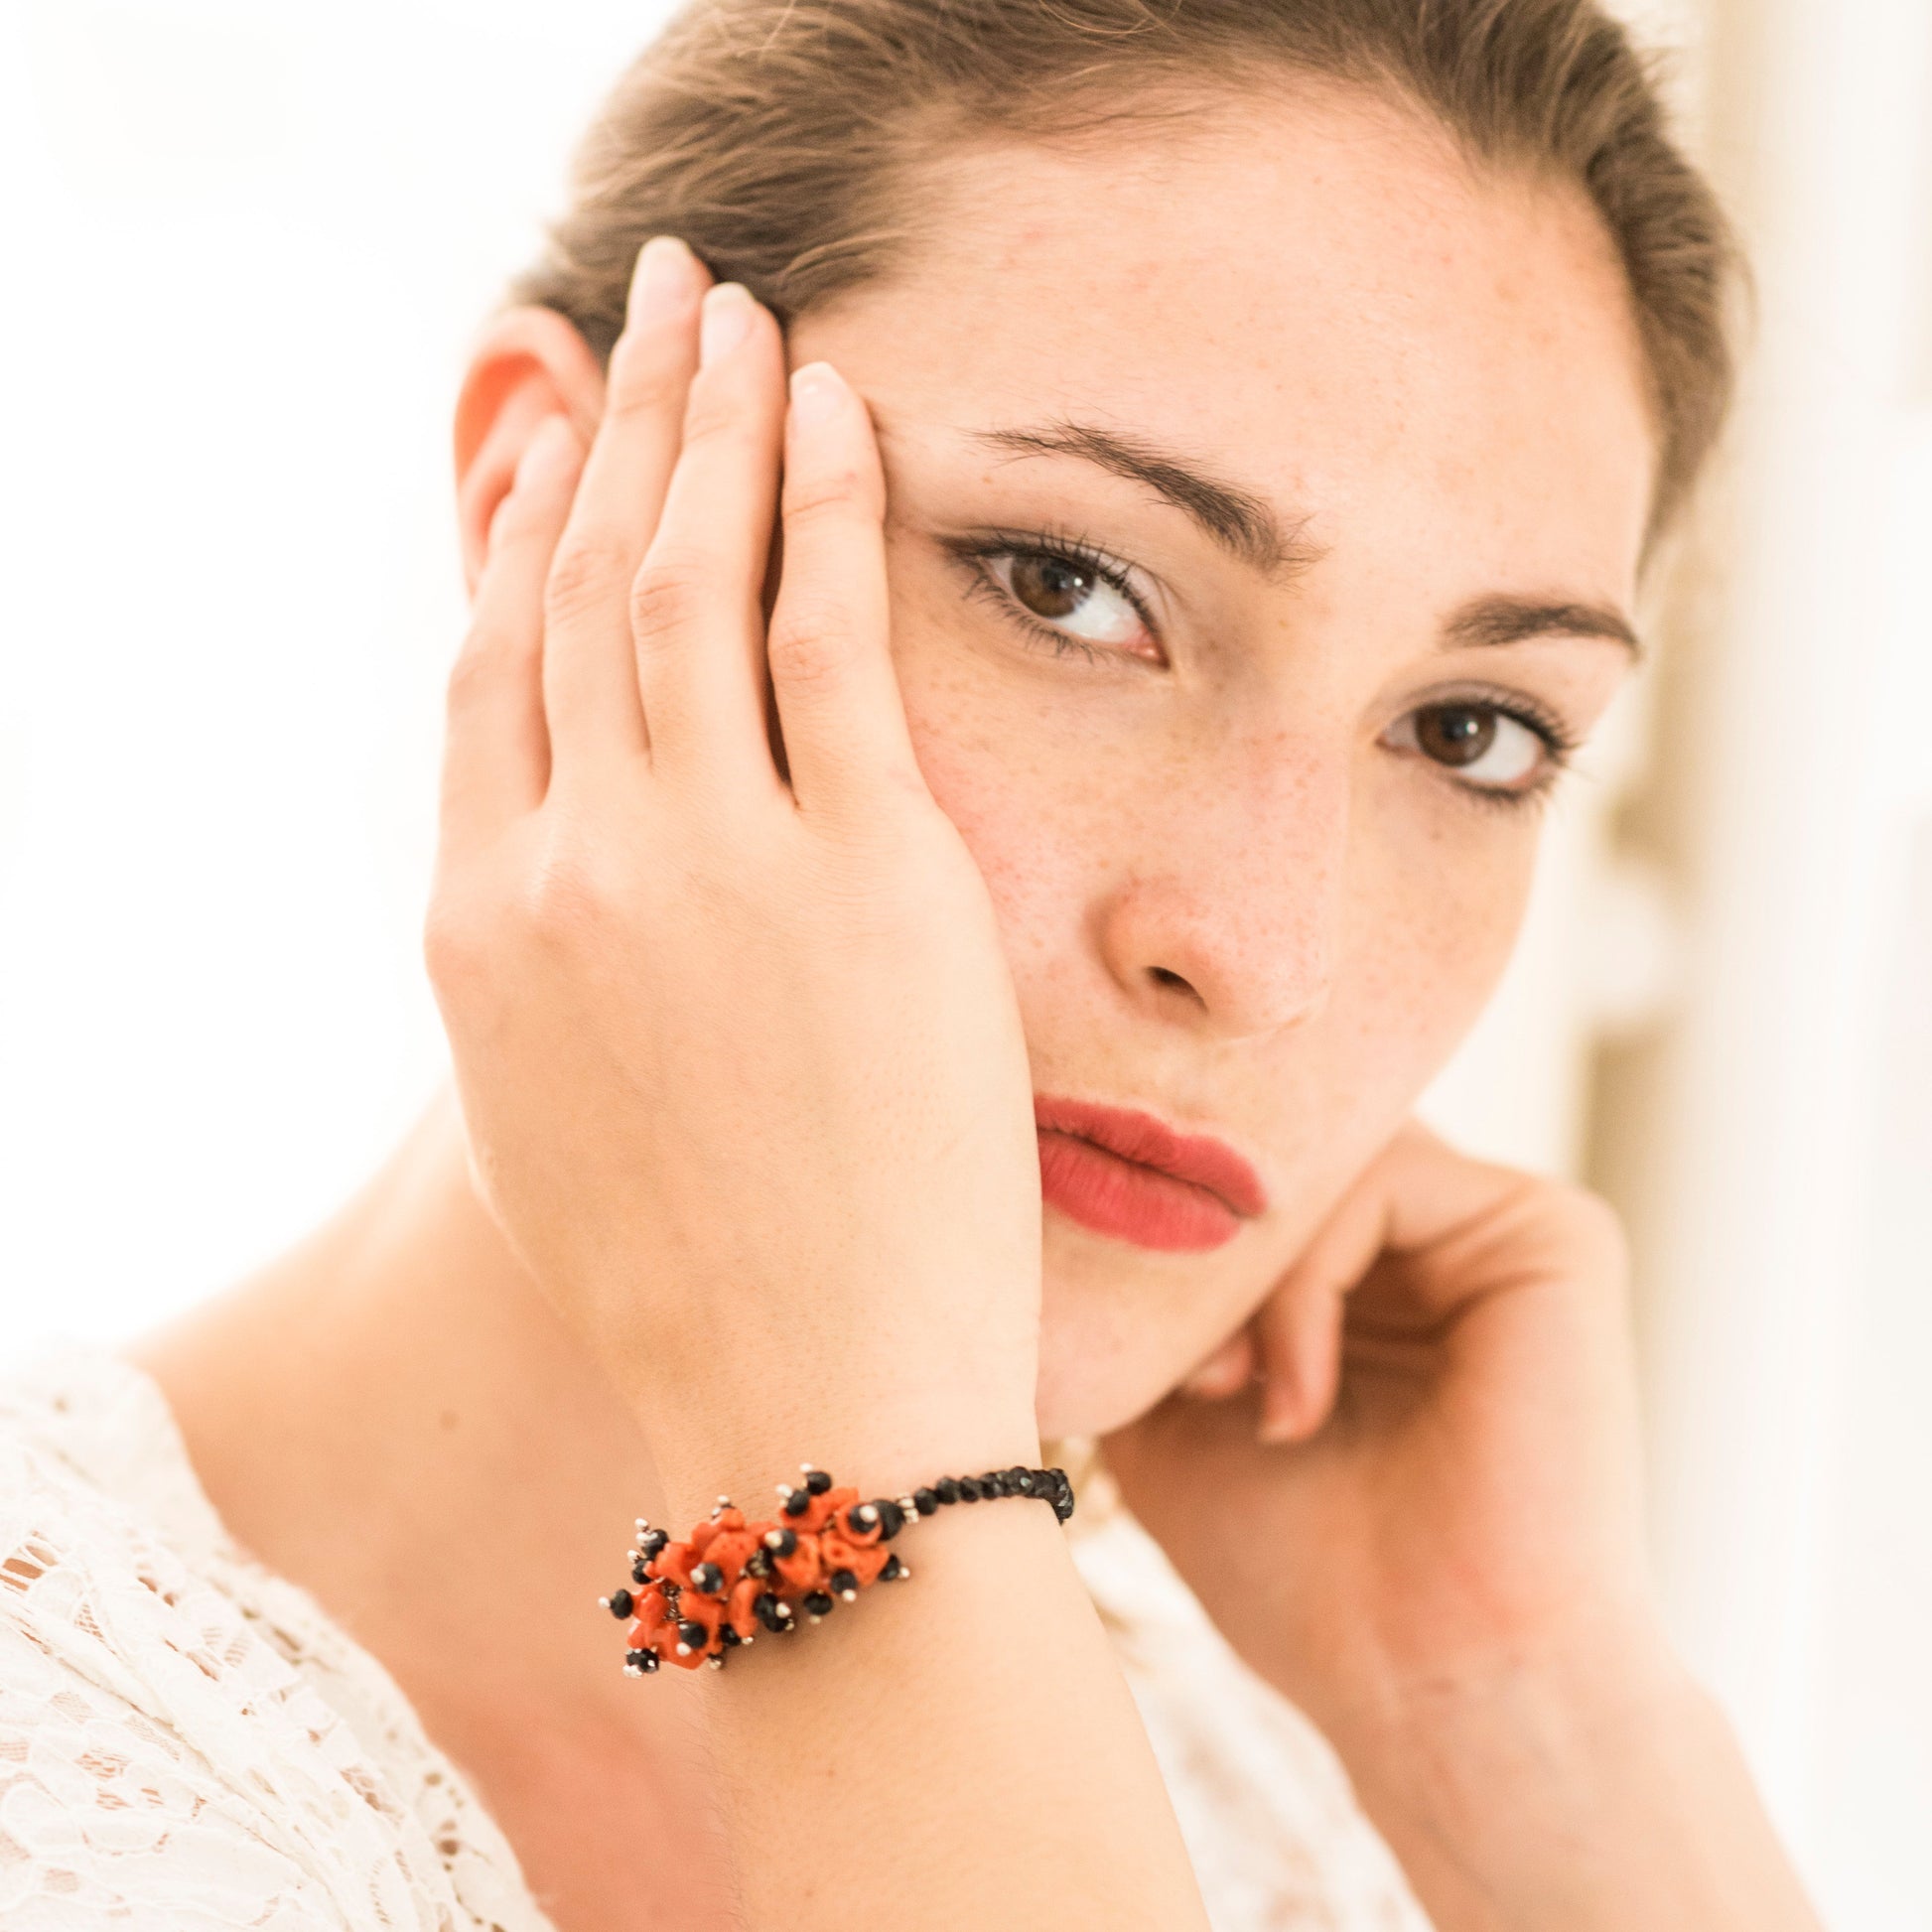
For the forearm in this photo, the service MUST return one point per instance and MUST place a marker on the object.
(957, 1751)
(1601, 1798)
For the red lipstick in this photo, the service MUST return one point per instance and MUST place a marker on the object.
(1124, 1174)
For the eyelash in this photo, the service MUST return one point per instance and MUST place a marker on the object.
(1559, 743)
(1059, 547)
(1560, 746)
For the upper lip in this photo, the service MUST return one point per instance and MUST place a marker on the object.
(1140, 1138)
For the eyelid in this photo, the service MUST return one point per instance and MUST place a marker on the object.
(976, 551)
(1563, 739)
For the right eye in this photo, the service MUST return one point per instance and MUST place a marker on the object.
(1069, 595)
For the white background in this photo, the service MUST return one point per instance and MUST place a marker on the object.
(245, 248)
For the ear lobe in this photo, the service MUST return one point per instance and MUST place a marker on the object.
(530, 364)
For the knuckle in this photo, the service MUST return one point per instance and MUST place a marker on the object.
(456, 951)
(645, 380)
(586, 571)
(833, 495)
(715, 419)
(565, 897)
(668, 593)
(809, 643)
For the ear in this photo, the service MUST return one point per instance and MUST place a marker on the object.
(530, 364)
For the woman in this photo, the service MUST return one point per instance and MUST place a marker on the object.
(946, 979)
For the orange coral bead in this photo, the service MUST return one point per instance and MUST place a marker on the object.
(838, 1551)
(737, 1610)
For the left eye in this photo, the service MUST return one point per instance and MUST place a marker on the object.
(1070, 597)
(1483, 744)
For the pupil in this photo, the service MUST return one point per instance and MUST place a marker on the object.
(1455, 733)
(1050, 588)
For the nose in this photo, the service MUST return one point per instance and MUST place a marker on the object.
(1227, 916)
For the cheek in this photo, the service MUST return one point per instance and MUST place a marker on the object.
(1010, 784)
(1433, 918)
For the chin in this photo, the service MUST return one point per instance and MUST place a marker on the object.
(1099, 1366)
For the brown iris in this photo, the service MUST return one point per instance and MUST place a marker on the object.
(1455, 735)
(1049, 587)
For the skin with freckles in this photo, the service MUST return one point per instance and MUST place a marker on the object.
(1262, 509)
(1226, 897)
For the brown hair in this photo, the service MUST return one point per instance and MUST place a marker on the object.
(783, 139)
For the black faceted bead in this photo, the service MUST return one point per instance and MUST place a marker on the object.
(992, 1483)
(786, 1544)
(969, 1490)
(818, 1482)
(765, 1609)
(649, 1660)
(635, 1657)
(727, 1636)
(694, 1634)
(652, 1543)
(925, 1501)
(818, 1604)
(892, 1569)
(620, 1603)
(946, 1489)
(707, 1579)
(639, 1573)
(798, 1502)
(1020, 1482)
(892, 1519)
(843, 1580)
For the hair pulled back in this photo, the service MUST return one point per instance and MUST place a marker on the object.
(788, 141)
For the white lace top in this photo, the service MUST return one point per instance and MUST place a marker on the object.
(188, 1743)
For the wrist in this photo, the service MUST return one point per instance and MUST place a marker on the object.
(1590, 1785)
(881, 1439)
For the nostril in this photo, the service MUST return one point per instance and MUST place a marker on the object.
(1160, 976)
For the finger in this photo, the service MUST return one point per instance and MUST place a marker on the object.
(1299, 1332)
(497, 750)
(828, 645)
(696, 607)
(1225, 1372)
(1297, 1329)
(590, 675)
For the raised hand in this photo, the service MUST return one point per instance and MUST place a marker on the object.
(739, 1054)
(1422, 1522)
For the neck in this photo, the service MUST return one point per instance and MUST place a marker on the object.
(394, 1417)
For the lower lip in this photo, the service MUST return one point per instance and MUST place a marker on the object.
(1128, 1201)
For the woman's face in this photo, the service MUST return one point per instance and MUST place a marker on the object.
(1265, 504)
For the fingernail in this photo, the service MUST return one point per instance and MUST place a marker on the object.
(663, 278)
(817, 393)
(727, 322)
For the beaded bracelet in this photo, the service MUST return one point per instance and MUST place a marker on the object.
(699, 1598)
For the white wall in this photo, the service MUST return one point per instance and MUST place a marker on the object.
(245, 248)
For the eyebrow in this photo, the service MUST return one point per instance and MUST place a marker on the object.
(1514, 619)
(1245, 524)
(1237, 519)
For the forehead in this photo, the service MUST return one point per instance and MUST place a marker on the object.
(1313, 291)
